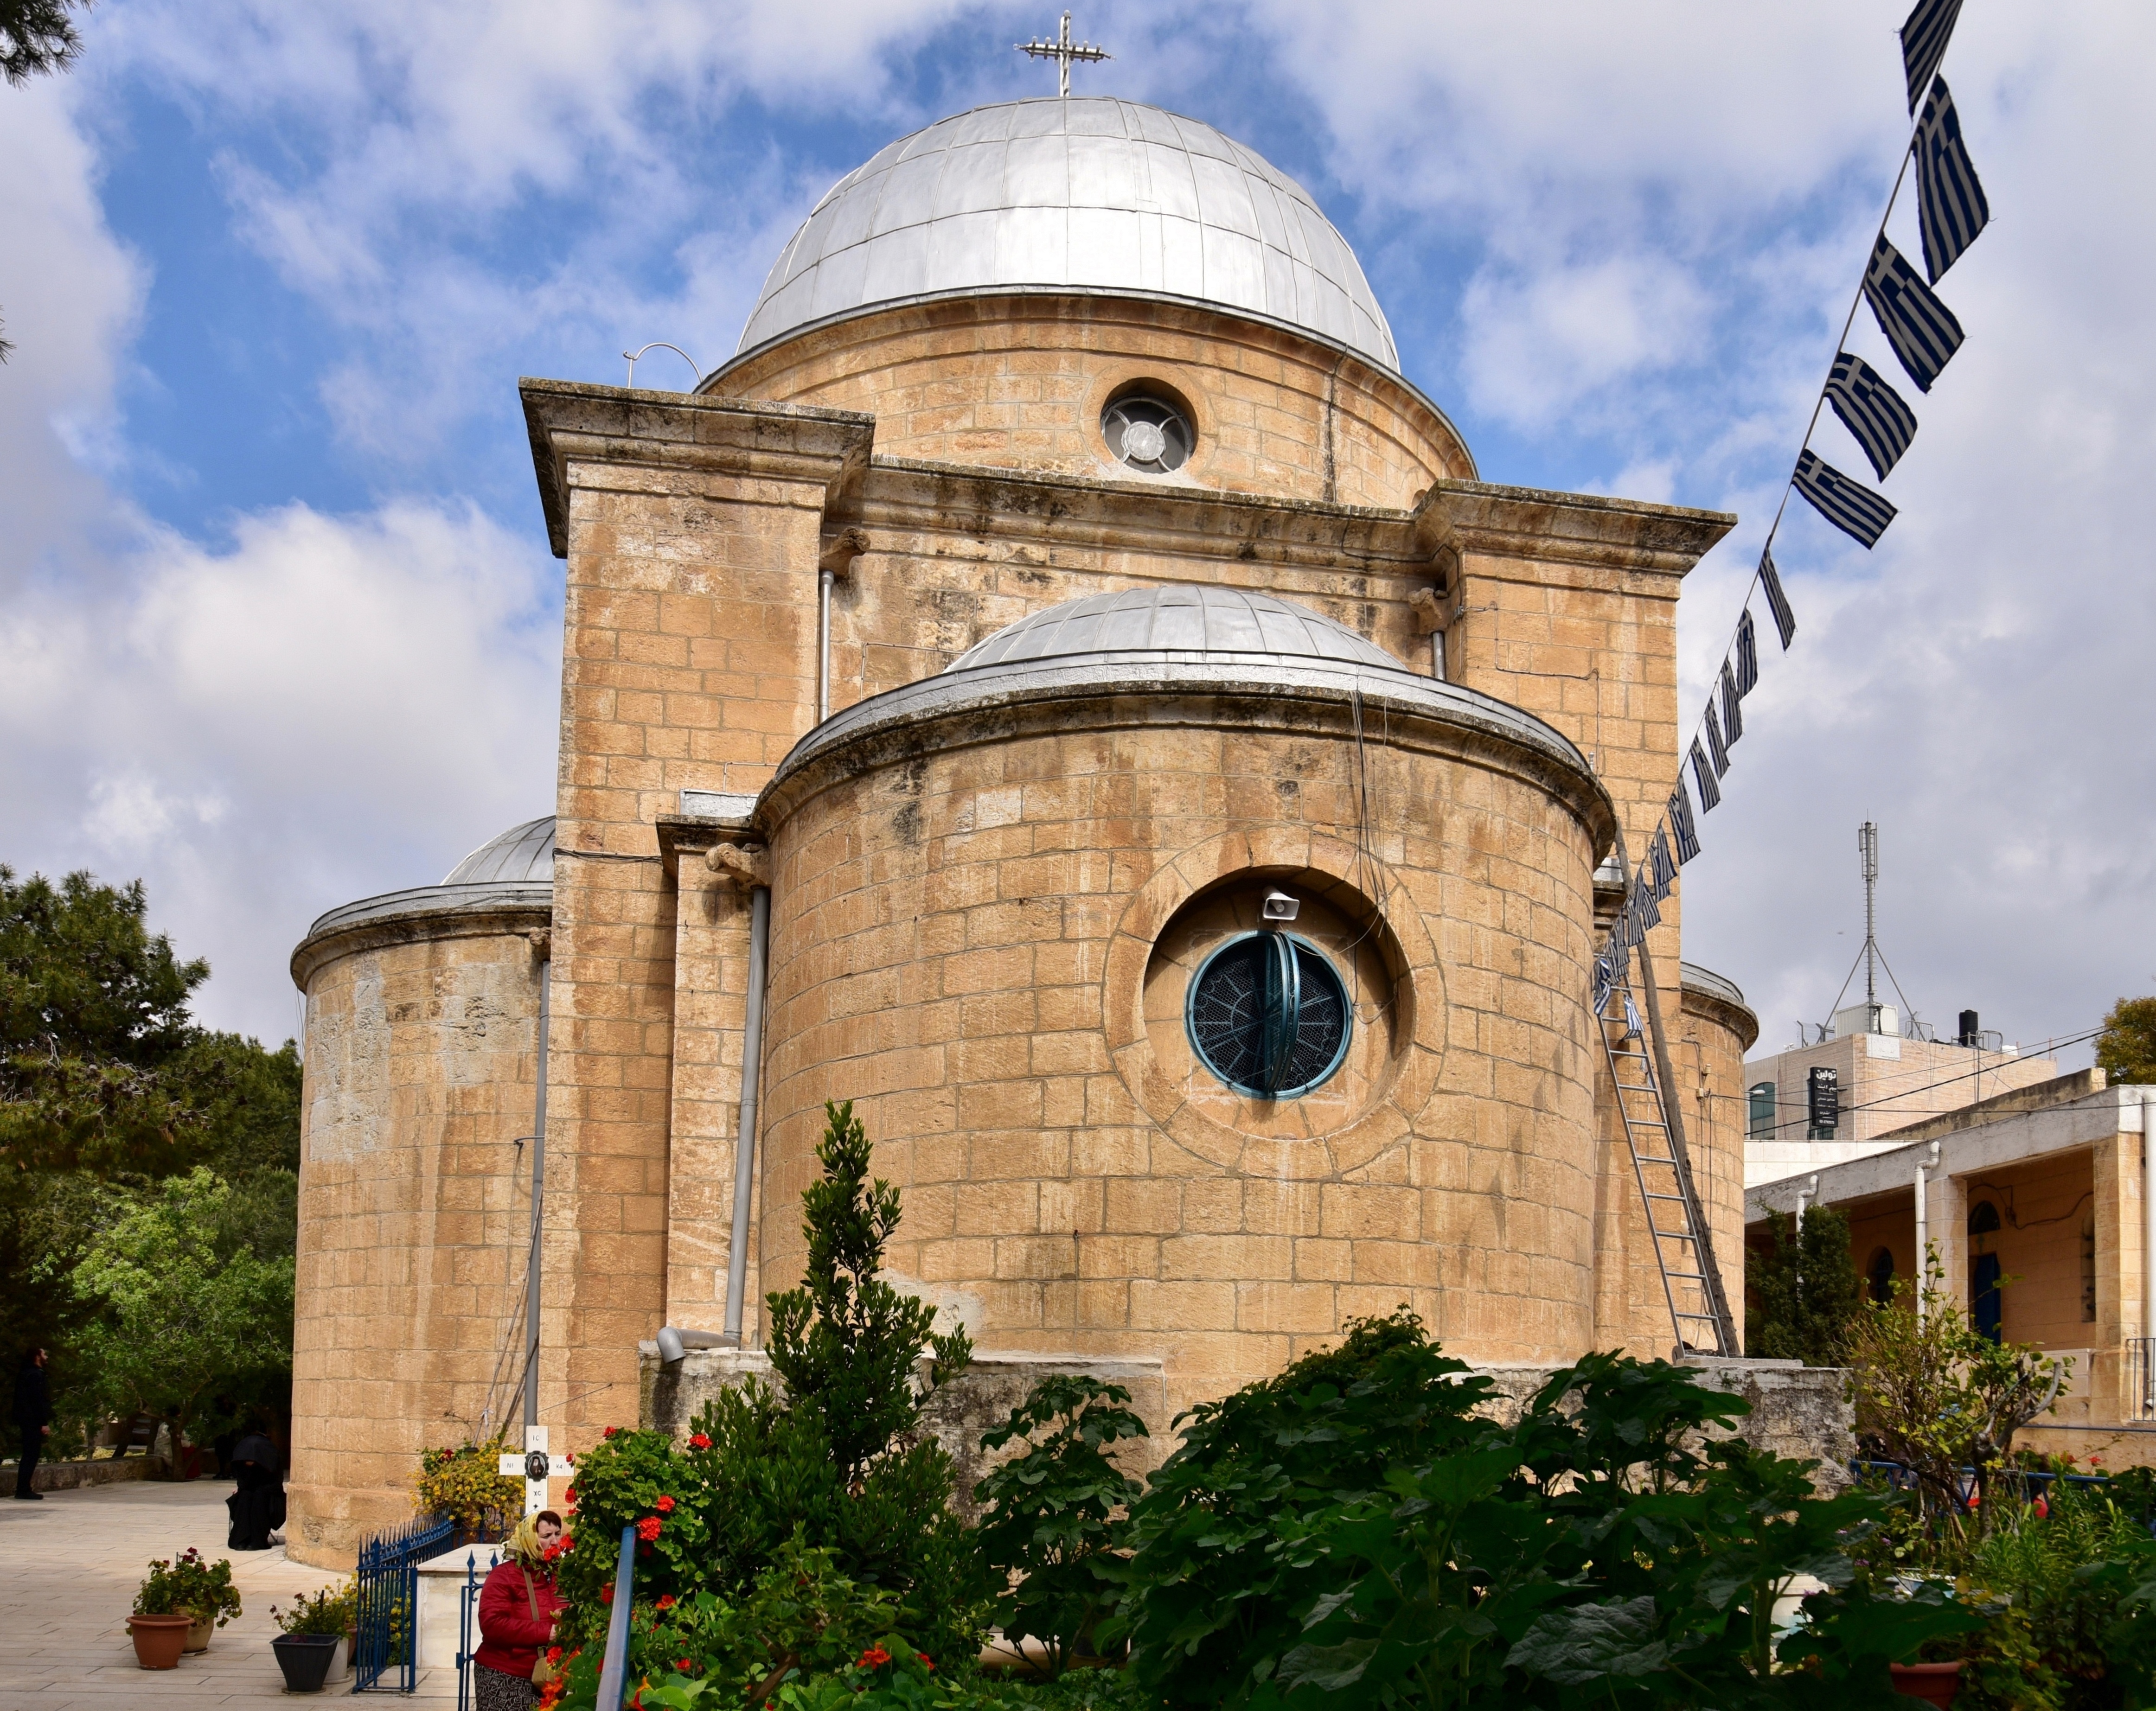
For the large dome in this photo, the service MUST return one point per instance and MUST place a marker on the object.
(1084, 194)
(1185, 620)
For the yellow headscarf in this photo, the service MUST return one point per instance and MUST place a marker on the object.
(524, 1542)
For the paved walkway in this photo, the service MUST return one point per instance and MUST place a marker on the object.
(69, 1569)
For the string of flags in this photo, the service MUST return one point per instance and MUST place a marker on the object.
(1923, 334)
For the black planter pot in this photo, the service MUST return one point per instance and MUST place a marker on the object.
(305, 1660)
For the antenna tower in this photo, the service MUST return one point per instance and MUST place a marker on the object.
(1867, 849)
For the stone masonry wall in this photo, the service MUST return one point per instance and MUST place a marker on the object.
(414, 1221)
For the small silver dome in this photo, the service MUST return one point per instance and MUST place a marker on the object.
(1182, 619)
(524, 853)
(1087, 194)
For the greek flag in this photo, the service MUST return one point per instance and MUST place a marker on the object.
(1602, 981)
(1950, 205)
(1872, 411)
(1710, 793)
(1785, 621)
(1633, 1026)
(1681, 822)
(1857, 511)
(1733, 715)
(1747, 653)
(1714, 746)
(1921, 329)
(1644, 905)
(1661, 871)
(1924, 37)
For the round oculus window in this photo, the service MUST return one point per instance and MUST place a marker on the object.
(1267, 1015)
(1147, 433)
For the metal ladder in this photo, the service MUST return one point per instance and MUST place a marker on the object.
(1684, 1247)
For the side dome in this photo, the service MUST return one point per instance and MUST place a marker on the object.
(1178, 619)
(1084, 194)
(523, 853)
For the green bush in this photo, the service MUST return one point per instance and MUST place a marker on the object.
(831, 1466)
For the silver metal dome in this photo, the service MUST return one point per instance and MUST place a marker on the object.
(1087, 194)
(1187, 620)
(523, 853)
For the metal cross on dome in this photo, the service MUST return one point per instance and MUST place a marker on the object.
(535, 1468)
(1063, 51)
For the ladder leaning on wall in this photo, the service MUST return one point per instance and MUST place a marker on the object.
(1638, 1061)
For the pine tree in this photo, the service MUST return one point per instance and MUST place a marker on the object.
(1804, 1292)
(846, 1342)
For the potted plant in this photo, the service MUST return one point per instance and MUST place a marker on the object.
(314, 1630)
(172, 1599)
(204, 1590)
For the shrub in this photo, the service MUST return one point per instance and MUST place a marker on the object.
(829, 1464)
(1051, 1514)
(1803, 1291)
(467, 1484)
(334, 1610)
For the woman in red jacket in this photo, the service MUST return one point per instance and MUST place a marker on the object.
(517, 1611)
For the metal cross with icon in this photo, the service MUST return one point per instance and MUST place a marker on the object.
(1063, 50)
(535, 1468)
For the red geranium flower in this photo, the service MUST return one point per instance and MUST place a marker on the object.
(682, 1664)
(610, 1431)
(553, 1654)
(699, 1441)
(606, 1593)
(928, 1663)
(666, 1600)
(647, 1529)
(665, 1505)
(874, 1658)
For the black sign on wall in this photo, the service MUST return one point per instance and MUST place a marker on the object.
(1823, 1097)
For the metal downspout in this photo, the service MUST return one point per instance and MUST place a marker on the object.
(2148, 1220)
(759, 950)
(538, 1200)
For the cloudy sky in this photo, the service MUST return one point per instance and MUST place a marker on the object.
(278, 624)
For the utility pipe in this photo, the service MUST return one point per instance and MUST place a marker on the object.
(759, 952)
(1809, 1192)
(823, 644)
(1924, 1232)
(2147, 1242)
(538, 1199)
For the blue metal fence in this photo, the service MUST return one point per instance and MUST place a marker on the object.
(467, 1621)
(386, 1658)
(2030, 1483)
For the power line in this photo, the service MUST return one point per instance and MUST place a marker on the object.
(1780, 1105)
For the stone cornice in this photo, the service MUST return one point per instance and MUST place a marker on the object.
(697, 835)
(1530, 523)
(430, 913)
(681, 432)
(1150, 688)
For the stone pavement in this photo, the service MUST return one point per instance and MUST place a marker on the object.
(69, 1569)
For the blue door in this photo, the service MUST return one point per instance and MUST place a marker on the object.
(1983, 1294)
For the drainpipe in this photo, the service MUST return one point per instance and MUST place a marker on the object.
(822, 645)
(538, 1199)
(759, 951)
(1809, 1192)
(2148, 1215)
(1924, 1233)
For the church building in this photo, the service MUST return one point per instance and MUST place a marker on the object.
(1061, 687)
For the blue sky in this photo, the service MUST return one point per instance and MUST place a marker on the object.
(279, 628)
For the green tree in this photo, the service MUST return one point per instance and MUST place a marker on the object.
(106, 1081)
(846, 1342)
(37, 38)
(186, 1311)
(1804, 1292)
(2126, 1049)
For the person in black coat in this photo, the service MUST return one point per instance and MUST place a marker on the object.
(258, 1505)
(34, 1420)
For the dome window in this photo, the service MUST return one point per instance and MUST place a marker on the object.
(1268, 1015)
(1147, 433)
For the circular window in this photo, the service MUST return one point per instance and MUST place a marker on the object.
(1147, 433)
(1267, 1014)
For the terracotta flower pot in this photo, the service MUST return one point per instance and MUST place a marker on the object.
(305, 1660)
(199, 1633)
(158, 1639)
(1935, 1683)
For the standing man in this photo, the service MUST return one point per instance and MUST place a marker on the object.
(34, 1420)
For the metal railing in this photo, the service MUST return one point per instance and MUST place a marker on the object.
(2027, 1483)
(467, 1618)
(386, 1658)
(2137, 1388)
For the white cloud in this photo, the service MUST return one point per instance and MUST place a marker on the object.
(329, 708)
